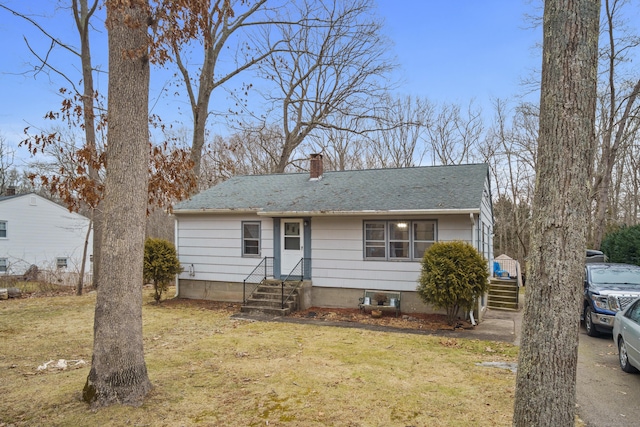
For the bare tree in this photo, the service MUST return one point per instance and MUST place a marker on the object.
(401, 124)
(333, 62)
(342, 149)
(83, 98)
(509, 150)
(251, 151)
(616, 109)
(8, 173)
(546, 378)
(453, 135)
(212, 24)
(118, 371)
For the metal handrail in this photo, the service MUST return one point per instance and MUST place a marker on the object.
(296, 273)
(261, 272)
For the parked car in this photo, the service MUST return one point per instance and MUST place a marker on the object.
(626, 336)
(608, 288)
(595, 256)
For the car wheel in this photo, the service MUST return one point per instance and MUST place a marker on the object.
(588, 323)
(624, 357)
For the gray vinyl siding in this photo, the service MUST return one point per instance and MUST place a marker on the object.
(213, 245)
(338, 253)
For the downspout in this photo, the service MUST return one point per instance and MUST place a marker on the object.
(175, 242)
(473, 224)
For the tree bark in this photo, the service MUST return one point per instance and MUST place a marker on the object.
(545, 384)
(118, 373)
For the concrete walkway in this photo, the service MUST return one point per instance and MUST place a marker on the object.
(499, 325)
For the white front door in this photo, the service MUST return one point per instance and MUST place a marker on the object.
(291, 244)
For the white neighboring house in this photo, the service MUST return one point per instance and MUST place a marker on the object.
(350, 230)
(37, 231)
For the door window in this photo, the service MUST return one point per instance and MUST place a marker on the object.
(292, 236)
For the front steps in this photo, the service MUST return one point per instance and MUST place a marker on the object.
(267, 299)
(503, 294)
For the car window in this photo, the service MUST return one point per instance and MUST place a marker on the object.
(634, 312)
(615, 275)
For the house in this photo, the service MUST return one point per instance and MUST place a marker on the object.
(37, 231)
(349, 231)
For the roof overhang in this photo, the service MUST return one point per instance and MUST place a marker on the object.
(370, 212)
(283, 214)
(213, 211)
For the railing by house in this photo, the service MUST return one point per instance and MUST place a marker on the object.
(297, 273)
(257, 276)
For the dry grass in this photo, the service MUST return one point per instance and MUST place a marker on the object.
(211, 370)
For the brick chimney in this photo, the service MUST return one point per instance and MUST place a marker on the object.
(316, 166)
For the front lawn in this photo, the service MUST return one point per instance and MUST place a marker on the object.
(209, 369)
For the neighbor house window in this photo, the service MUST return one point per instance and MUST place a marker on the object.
(398, 240)
(61, 262)
(3, 265)
(251, 239)
(3, 229)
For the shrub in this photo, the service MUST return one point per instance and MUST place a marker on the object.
(623, 245)
(454, 275)
(160, 265)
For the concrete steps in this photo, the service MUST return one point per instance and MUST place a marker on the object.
(267, 299)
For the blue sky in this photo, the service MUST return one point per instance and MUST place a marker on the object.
(448, 51)
(452, 51)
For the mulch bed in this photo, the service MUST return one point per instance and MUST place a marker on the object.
(432, 322)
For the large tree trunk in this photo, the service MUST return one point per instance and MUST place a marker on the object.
(545, 384)
(118, 371)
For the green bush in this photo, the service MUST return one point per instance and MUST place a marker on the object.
(454, 275)
(623, 245)
(160, 265)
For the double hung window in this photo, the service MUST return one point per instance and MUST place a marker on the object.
(398, 240)
(3, 229)
(3, 265)
(251, 239)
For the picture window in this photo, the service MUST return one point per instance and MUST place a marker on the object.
(398, 240)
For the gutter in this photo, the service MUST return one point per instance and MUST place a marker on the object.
(368, 212)
(213, 211)
(283, 214)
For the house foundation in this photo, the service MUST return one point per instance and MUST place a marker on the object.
(309, 295)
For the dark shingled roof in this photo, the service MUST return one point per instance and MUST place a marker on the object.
(418, 188)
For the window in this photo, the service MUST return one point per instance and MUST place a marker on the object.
(398, 240)
(375, 240)
(292, 236)
(61, 262)
(3, 229)
(424, 235)
(3, 265)
(251, 239)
